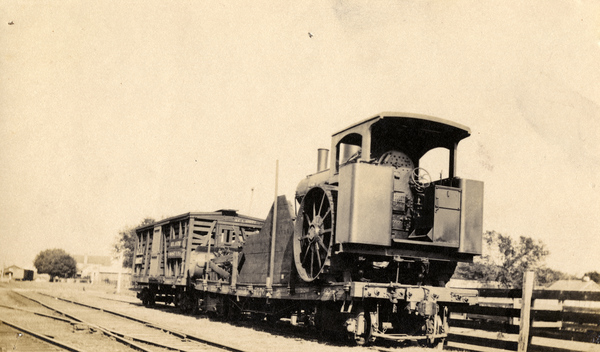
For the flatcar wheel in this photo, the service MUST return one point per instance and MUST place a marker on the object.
(441, 328)
(147, 298)
(313, 233)
(363, 329)
(144, 297)
(232, 312)
(151, 300)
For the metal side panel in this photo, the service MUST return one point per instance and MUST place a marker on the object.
(257, 249)
(446, 223)
(364, 210)
(446, 226)
(471, 229)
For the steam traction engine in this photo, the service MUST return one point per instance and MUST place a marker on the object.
(368, 252)
(376, 221)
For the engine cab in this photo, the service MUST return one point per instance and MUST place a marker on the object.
(378, 203)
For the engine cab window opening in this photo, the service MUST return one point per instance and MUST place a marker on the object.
(436, 162)
(348, 150)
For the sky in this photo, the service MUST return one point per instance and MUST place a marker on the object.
(113, 111)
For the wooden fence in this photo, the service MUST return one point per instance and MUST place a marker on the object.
(553, 321)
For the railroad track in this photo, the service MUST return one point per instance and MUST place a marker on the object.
(139, 304)
(134, 332)
(19, 338)
(76, 311)
(25, 326)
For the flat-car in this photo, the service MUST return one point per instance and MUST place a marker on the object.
(366, 249)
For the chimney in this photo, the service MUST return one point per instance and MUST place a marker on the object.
(322, 158)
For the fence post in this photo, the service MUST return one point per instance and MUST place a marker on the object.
(525, 311)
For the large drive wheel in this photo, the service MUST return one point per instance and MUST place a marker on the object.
(313, 233)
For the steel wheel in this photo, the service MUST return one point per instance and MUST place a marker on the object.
(313, 233)
(363, 331)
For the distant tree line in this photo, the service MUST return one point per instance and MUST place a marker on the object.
(505, 260)
(594, 276)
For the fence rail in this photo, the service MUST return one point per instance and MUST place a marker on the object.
(554, 321)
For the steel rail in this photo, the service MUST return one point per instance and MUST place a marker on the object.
(152, 325)
(106, 331)
(41, 336)
(128, 339)
(66, 320)
(123, 338)
(119, 300)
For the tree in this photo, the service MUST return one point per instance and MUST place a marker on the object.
(55, 262)
(505, 260)
(517, 258)
(125, 242)
(594, 276)
(546, 276)
(480, 270)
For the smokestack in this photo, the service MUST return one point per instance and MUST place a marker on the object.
(322, 159)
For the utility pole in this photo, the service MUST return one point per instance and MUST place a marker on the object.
(273, 233)
(251, 198)
(119, 272)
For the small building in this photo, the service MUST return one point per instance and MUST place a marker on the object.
(100, 269)
(575, 285)
(111, 275)
(92, 260)
(14, 272)
(42, 277)
(88, 266)
(585, 284)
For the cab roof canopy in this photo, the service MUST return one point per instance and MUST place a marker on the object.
(413, 134)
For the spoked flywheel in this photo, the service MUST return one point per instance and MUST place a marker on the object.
(313, 233)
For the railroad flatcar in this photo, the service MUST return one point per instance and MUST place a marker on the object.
(365, 249)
